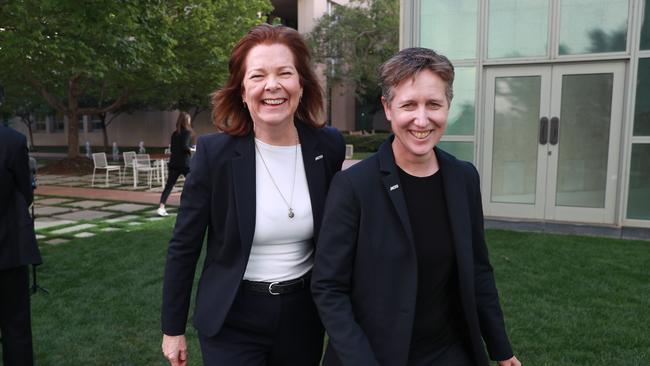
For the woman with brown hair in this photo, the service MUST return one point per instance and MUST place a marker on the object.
(258, 189)
(179, 161)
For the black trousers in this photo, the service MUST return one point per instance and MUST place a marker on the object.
(15, 318)
(172, 177)
(267, 330)
(455, 354)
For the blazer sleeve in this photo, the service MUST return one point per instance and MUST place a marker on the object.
(332, 275)
(185, 246)
(187, 142)
(21, 171)
(490, 316)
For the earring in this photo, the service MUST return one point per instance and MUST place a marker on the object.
(245, 106)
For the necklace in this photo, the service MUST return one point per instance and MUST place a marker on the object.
(295, 163)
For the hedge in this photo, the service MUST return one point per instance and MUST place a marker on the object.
(365, 143)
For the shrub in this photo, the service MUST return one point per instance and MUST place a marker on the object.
(365, 143)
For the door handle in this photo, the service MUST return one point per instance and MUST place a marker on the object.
(555, 130)
(543, 130)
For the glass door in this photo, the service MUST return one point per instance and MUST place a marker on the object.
(551, 136)
(586, 110)
(515, 163)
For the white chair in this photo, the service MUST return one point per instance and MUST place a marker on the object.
(128, 157)
(160, 170)
(100, 162)
(142, 163)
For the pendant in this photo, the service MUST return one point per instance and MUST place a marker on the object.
(291, 215)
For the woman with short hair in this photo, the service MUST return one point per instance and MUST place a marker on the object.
(402, 274)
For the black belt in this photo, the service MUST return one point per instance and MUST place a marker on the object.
(278, 287)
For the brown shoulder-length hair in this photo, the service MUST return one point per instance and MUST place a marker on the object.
(183, 122)
(228, 111)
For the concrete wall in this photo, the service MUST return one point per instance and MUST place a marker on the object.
(154, 128)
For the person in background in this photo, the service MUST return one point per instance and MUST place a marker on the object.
(258, 189)
(18, 249)
(179, 161)
(402, 275)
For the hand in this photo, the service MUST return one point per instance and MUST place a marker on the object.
(175, 350)
(513, 361)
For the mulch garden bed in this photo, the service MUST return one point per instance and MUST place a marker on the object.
(68, 166)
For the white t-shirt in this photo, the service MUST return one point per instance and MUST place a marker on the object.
(282, 246)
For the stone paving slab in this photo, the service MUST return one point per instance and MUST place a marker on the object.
(88, 204)
(126, 207)
(154, 218)
(44, 223)
(134, 223)
(49, 210)
(56, 241)
(109, 229)
(72, 229)
(39, 237)
(122, 218)
(84, 234)
(52, 201)
(84, 215)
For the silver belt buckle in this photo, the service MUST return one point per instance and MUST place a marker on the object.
(271, 285)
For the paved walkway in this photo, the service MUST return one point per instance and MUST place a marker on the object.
(107, 194)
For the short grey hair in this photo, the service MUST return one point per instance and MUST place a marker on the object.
(408, 63)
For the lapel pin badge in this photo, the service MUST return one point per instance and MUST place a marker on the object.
(318, 157)
(392, 188)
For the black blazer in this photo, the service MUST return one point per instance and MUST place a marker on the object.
(180, 145)
(18, 245)
(364, 279)
(219, 194)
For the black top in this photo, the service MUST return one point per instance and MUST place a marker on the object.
(437, 305)
(180, 149)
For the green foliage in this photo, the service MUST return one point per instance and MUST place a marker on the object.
(365, 143)
(355, 40)
(205, 31)
(89, 57)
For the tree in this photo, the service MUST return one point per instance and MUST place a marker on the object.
(354, 40)
(75, 52)
(205, 32)
(23, 102)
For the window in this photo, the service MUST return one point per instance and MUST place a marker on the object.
(57, 123)
(463, 105)
(593, 26)
(639, 192)
(645, 30)
(94, 123)
(449, 27)
(517, 28)
(642, 106)
(461, 150)
(40, 123)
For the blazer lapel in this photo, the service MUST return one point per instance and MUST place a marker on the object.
(458, 210)
(314, 163)
(393, 186)
(243, 176)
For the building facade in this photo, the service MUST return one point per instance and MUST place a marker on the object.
(551, 103)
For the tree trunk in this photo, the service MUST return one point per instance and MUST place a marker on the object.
(31, 134)
(73, 134)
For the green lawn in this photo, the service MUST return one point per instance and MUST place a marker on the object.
(568, 300)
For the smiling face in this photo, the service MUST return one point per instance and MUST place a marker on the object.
(271, 86)
(418, 116)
